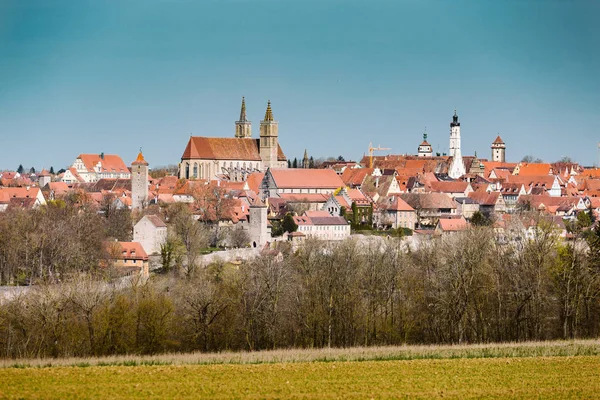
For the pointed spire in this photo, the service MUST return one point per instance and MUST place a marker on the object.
(243, 110)
(269, 112)
(425, 135)
(140, 159)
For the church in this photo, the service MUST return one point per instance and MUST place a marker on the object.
(234, 158)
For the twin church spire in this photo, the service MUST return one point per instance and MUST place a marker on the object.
(243, 127)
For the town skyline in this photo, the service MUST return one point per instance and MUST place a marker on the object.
(91, 78)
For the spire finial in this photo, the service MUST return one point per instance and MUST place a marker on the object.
(425, 135)
(243, 110)
(269, 112)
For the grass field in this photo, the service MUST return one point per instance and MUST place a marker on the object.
(535, 377)
(562, 369)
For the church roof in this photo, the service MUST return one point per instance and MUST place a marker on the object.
(246, 149)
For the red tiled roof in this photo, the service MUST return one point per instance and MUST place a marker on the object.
(484, 198)
(536, 169)
(156, 221)
(126, 250)
(428, 201)
(225, 149)
(453, 224)
(449, 186)
(306, 178)
(355, 177)
(395, 203)
(140, 160)
(109, 162)
(498, 140)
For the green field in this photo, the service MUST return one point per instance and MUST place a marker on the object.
(533, 377)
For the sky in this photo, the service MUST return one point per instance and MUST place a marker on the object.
(92, 76)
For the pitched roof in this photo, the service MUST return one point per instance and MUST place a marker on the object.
(306, 178)
(156, 221)
(453, 224)
(428, 200)
(356, 176)
(126, 250)
(108, 162)
(394, 203)
(211, 148)
(140, 159)
(449, 186)
(498, 140)
(484, 198)
(527, 169)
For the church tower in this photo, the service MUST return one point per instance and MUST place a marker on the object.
(269, 140)
(305, 160)
(457, 167)
(243, 127)
(139, 182)
(499, 150)
(425, 149)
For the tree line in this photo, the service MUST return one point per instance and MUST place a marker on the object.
(465, 288)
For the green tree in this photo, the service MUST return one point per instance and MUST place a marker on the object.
(478, 219)
(32, 170)
(20, 170)
(295, 163)
(51, 170)
(289, 225)
(311, 162)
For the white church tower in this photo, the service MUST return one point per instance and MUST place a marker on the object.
(457, 166)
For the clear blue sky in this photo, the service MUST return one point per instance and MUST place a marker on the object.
(91, 76)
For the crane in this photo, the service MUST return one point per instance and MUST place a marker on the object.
(372, 149)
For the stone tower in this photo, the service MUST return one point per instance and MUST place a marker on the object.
(269, 140)
(243, 127)
(425, 149)
(258, 223)
(139, 182)
(457, 167)
(499, 150)
(305, 160)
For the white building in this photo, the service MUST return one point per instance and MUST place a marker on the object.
(321, 225)
(93, 167)
(151, 232)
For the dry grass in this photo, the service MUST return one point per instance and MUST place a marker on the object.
(504, 350)
(534, 377)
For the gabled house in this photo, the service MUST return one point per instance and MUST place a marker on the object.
(127, 258)
(26, 197)
(151, 233)
(489, 203)
(430, 206)
(92, 167)
(451, 225)
(321, 225)
(395, 213)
